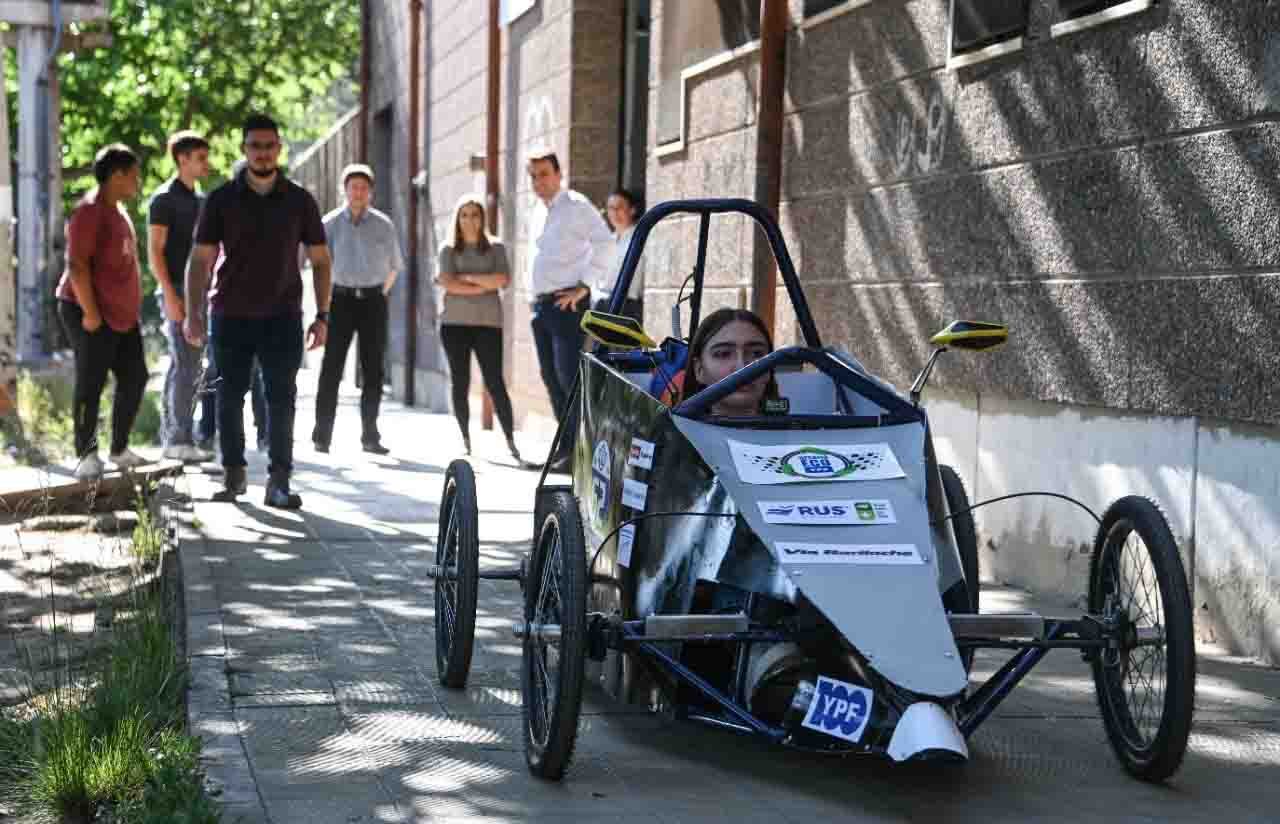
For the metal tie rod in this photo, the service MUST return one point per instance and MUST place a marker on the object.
(545, 633)
(450, 573)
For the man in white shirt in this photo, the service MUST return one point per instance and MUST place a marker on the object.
(571, 259)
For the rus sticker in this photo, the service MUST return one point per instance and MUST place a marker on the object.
(827, 513)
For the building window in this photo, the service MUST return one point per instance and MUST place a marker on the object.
(1083, 14)
(986, 28)
(691, 33)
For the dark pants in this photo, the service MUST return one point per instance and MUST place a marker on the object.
(208, 426)
(486, 341)
(362, 315)
(558, 335)
(98, 353)
(277, 344)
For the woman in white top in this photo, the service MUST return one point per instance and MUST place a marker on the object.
(623, 209)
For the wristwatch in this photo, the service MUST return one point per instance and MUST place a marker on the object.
(322, 316)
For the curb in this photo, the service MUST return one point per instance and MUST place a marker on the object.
(229, 778)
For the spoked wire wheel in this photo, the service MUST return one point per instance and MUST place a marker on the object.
(555, 637)
(457, 575)
(1146, 679)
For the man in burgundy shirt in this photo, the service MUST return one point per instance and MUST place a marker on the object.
(260, 218)
(100, 302)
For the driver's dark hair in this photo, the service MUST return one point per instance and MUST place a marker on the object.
(706, 330)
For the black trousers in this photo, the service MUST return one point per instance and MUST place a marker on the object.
(486, 341)
(364, 316)
(276, 344)
(97, 354)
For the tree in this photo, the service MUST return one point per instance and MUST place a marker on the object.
(204, 65)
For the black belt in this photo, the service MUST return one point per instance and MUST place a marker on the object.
(358, 291)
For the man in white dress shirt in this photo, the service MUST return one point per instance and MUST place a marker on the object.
(571, 259)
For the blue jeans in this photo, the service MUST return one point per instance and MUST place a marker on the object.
(208, 426)
(179, 386)
(558, 336)
(276, 343)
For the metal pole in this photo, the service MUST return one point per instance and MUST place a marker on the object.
(8, 316)
(773, 67)
(492, 111)
(33, 51)
(411, 336)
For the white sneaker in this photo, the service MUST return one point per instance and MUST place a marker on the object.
(187, 453)
(89, 468)
(128, 459)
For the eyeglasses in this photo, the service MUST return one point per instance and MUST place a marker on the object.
(261, 147)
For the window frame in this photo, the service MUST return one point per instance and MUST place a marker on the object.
(1119, 11)
(1009, 45)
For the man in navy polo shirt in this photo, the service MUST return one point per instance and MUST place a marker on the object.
(260, 218)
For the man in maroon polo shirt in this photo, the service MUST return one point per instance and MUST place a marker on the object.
(260, 218)
(99, 302)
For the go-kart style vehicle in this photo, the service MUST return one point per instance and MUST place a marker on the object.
(808, 575)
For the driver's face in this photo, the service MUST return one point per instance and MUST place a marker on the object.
(736, 345)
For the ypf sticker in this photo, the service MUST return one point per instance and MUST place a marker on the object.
(839, 709)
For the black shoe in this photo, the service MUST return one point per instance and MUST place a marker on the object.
(235, 482)
(321, 447)
(515, 453)
(279, 496)
(375, 447)
(561, 466)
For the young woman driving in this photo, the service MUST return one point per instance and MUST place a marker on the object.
(726, 341)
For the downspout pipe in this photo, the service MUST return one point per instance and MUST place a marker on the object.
(492, 111)
(411, 316)
(362, 131)
(44, 159)
(773, 69)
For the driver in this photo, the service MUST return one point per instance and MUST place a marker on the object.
(726, 341)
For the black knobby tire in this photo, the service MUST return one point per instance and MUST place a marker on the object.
(962, 598)
(1146, 691)
(552, 672)
(457, 581)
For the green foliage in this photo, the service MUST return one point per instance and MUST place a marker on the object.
(44, 427)
(146, 427)
(172, 792)
(204, 65)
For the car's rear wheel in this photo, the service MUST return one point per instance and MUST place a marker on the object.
(457, 575)
(553, 662)
(1146, 680)
(963, 597)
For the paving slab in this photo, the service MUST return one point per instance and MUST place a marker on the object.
(313, 651)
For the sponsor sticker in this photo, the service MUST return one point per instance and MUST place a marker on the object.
(641, 455)
(866, 554)
(782, 464)
(634, 493)
(833, 513)
(626, 540)
(839, 709)
(600, 476)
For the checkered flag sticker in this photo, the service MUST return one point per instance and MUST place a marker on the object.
(785, 464)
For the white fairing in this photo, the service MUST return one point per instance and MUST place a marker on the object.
(926, 727)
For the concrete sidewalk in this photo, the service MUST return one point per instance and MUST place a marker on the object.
(310, 636)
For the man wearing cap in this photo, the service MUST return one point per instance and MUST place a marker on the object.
(366, 259)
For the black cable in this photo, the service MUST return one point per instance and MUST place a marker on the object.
(1092, 514)
(639, 518)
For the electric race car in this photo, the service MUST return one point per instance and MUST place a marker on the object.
(808, 574)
